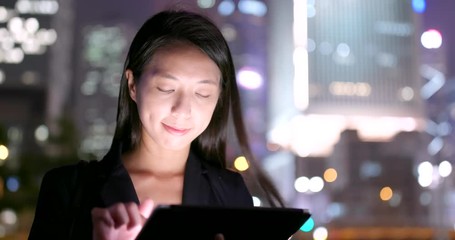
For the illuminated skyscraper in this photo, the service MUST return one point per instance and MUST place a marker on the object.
(363, 58)
(356, 104)
(102, 41)
(26, 34)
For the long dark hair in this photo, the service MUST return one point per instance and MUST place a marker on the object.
(169, 27)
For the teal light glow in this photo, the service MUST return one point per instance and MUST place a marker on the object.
(308, 225)
(419, 6)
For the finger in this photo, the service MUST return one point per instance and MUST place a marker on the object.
(119, 214)
(101, 214)
(134, 215)
(146, 208)
(101, 220)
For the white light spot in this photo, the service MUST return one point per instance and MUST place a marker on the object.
(42, 133)
(249, 78)
(431, 39)
(445, 168)
(302, 184)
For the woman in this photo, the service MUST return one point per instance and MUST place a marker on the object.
(178, 94)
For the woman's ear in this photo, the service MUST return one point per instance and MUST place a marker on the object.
(131, 84)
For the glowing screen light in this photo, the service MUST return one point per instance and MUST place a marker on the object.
(419, 6)
(308, 225)
(431, 39)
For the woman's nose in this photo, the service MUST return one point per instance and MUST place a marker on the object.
(182, 106)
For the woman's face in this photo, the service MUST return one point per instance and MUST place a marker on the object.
(175, 96)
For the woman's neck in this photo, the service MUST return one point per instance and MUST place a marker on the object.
(156, 161)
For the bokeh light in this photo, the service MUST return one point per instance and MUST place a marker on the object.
(330, 175)
(316, 184)
(445, 168)
(41, 133)
(431, 39)
(206, 3)
(4, 152)
(249, 78)
(302, 184)
(241, 164)
(425, 174)
(8, 216)
(419, 6)
(12, 184)
(386, 193)
(320, 233)
(226, 7)
(252, 7)
(308, 225)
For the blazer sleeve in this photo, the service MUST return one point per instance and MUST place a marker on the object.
(53, 214)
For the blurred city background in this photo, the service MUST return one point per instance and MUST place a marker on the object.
(350, 104)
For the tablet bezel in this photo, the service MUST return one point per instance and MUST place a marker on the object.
(204, 222)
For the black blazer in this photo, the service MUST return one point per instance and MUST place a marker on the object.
(68, 193)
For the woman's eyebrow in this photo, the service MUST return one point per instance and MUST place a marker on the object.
(165, 75)
(208, 81)
(171, 77)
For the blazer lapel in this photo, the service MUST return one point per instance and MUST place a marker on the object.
(196, 186)
(118, 186)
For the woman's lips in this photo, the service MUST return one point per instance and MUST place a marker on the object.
(175, 131)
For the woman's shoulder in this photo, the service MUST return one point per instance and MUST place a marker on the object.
(61, 170)
(66, 172)
(67, 168)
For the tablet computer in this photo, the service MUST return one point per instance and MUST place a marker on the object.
(204, 222)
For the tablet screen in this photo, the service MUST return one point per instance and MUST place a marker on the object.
(204, 222)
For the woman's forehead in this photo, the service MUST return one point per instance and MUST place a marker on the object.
(183, 61)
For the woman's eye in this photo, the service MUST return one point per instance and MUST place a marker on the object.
(203, 95)
(165, 90)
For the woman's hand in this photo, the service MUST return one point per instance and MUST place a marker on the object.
(121, 221)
